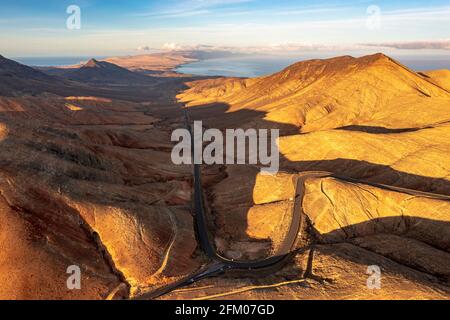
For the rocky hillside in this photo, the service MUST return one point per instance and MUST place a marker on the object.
(89, 182)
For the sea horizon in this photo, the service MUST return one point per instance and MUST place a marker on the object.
(54, 61)
(237, 66)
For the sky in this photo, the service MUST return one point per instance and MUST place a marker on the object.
(110, 27)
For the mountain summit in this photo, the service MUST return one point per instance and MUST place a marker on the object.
(93, 64)
(331, 93)
(102, 72)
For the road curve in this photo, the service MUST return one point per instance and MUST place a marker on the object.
(208, 245)
(220, 264)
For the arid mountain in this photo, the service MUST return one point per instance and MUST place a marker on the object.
(101, 72)
(10, 68)
(350, 227)
(100, 79)
(67, 163)
(373, 137)
(88, 180)
(324, 94)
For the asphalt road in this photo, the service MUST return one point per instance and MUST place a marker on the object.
(220, 264)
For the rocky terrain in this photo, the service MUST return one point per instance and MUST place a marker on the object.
(89, 182)
(86, 179)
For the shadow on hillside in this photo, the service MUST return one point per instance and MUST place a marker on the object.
(371, 172)
(430, 239)
(216, 116)
(375, 130)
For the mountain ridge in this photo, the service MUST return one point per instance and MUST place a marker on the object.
(324, 94)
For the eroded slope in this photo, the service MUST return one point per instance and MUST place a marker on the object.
(89, 182)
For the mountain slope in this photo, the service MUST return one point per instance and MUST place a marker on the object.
(323, 94)
(416, 160)
(440, 77)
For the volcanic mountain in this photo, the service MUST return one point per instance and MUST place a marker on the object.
(95, 78)
(102, 72)
(323, 94)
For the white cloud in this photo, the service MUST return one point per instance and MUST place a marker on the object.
(143, 48)
(414, 45)
(171, 47)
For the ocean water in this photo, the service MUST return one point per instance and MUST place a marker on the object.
(250, 66)
(52, 61)
(242, 66)
(238, 66)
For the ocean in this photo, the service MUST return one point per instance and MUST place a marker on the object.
(238, 66)
(250, 66)
(241, 66)
(52, 61)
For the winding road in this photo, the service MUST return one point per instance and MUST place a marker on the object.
(220, 264)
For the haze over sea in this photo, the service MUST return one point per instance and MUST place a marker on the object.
(242, 66)
(254, 66)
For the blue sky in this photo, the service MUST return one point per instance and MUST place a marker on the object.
(38, 28)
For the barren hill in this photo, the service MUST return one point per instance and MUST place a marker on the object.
(323, 94)
(89, 181)
(100, 79)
